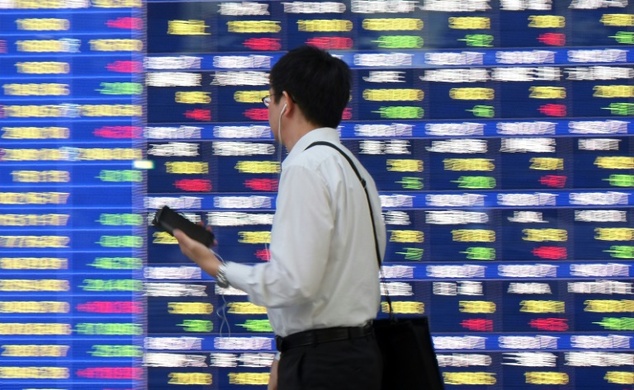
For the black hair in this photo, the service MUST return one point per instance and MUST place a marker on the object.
(316, 81)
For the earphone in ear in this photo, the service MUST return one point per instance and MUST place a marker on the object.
(283, 109)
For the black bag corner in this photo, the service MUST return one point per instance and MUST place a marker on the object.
(409, 359)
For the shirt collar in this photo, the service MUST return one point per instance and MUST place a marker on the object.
(321, 134)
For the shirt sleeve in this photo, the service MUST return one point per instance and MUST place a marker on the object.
(300, 240)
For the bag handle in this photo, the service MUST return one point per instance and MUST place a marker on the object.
(367, 197)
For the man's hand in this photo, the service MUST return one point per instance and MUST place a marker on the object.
(198, 253)
(273, 376)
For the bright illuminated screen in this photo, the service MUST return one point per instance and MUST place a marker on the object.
(499, 133)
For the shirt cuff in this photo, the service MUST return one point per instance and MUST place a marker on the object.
(237, 274)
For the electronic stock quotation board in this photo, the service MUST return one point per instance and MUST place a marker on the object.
(499, 133)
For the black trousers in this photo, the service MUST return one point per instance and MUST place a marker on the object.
(353, 364)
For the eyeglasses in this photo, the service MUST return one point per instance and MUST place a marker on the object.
(267, 100)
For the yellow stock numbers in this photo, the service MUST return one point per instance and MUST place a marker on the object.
(40, 177)
(36, 372)
(39, 4)
(163, 238)
(34, 219)
(609, 306)
(62, 111)
(546, 163)
(116, 44)
(546, 378)
(257, 237)
(404, 165)
(536, 306)
(35, 328)
(192, 97)
(258, 167)
(42, 46)
(34, 155)
(189, 378)
(34, 307)
(472, 93)
(187, 167)
(81, 154)
(541, 235)
(613, 91)
(469, 23)
(245, 308)
(34, 350)
(34, 241)
(56, 285)
(35, 132)
(614, 234)
(189, 308)
(477, 307)
(33, 263)
(249, 96)
(43, 24)
(546, 21)
(469, 378)
(34, 197)
(186, 27)
(615, 162)
(407, 236)
(404, 307)
(392, 24)
(36, 89)
(473, 235)
(468, 164)
(254, 26)
(43, 67)
(547, 92)
(618, 20)
(324, 25)
(117, 3)
(620, 377)
(107, 110)
(249, 378)
(391, 95)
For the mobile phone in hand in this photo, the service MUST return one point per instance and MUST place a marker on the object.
(169, 220)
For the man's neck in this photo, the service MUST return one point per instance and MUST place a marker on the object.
(297, 131)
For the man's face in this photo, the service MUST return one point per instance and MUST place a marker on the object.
(274, 115)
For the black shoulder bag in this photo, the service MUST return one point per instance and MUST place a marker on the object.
(409, 359)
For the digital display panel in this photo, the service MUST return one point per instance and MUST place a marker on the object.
(499, 133)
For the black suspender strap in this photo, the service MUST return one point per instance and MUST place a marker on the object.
(367, 196)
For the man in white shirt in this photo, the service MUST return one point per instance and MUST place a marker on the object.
(321, 286)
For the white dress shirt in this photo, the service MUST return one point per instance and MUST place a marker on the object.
(323, 269)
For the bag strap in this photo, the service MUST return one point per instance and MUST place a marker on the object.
(367, 197)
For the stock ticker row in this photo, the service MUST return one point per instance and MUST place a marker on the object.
(499, 133)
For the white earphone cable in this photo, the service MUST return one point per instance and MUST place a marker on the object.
(279, 135)
(222, 310)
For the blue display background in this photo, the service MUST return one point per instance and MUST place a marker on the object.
(499, 134)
